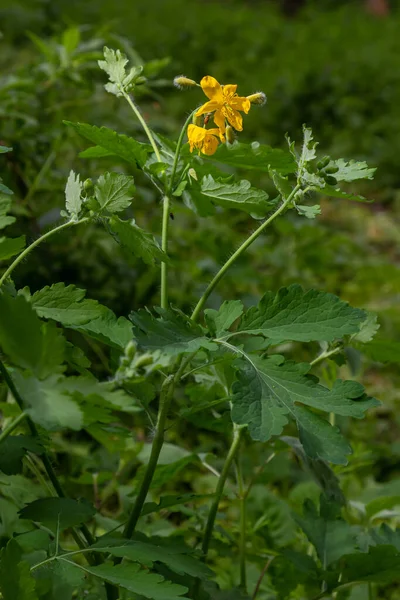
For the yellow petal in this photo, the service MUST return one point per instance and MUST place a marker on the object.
(196, 134)
(235, 119)
(210, 145)
(229, 89)
(240, 103)
(212, 88)
(219, 120)
(208, 107)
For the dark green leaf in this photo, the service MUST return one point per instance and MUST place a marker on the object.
(147, 552)
(112, 142)
(11, 246)
(293, 314)
(13, 450)
(219, 321)
(238, 195)
(136, 240)
(255, 156)
(380, 565)
(172, 332)
(58, 512)
(139, 581)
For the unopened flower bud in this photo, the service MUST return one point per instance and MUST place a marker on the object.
(321, 164)
(230, 134)
(330, 180)
(332, 170)
(258, 98)
(87, 184)
(197, 120)
(182, 82)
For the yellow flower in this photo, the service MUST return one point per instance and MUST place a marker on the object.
(204, 139)
(224, 101)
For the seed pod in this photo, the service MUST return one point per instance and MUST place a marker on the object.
(321, 164)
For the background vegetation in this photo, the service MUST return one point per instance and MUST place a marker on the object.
(334, 67)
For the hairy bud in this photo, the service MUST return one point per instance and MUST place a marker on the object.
(182, 82)
(259, 98)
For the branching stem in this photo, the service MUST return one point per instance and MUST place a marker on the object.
(239, 252)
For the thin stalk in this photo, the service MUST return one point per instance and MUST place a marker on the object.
(237, 436)
(8, 430)
(261, 577)
(164, 248)
(239, 252)
(144, 125)
(158, 441)
(178, 149)
(242, 539)
(324, 355)
(32, 246)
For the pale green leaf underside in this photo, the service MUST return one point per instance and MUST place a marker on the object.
(114, 192)
(237, 195)
(141, 243)
(73, 189)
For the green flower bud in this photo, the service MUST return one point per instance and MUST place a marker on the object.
(321, 164)
(197, 120)
(182, 82)
(87, 184)
(330, 180)
(331, 170)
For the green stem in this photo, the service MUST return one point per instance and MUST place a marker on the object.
(178, 149)
(237, 436)
(144, 125)
(324, 355)
(261, 577)
(239, 252)
(164, 247)
(242, 539)
(158, 441)
(8, 430)
(41, 239)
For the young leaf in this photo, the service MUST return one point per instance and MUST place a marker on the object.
(296, 315)
(219, 321)
(58, 512)
(141, 243)
(4, 149)
(310, 212)
(13, 450)
(108, 329)
(352, 170)
(73, 201)
(172, 333)
(239, 195)
(138, 581)
(110, 142)
(114, 192)
(16, 581)
(269, 390)
(114, 65)
(147, 552)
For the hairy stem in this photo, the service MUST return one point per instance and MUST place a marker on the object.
(239, 252)
(144, 125)
(325, 355)
(32, 246)
(178, 149)
(8, 430)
